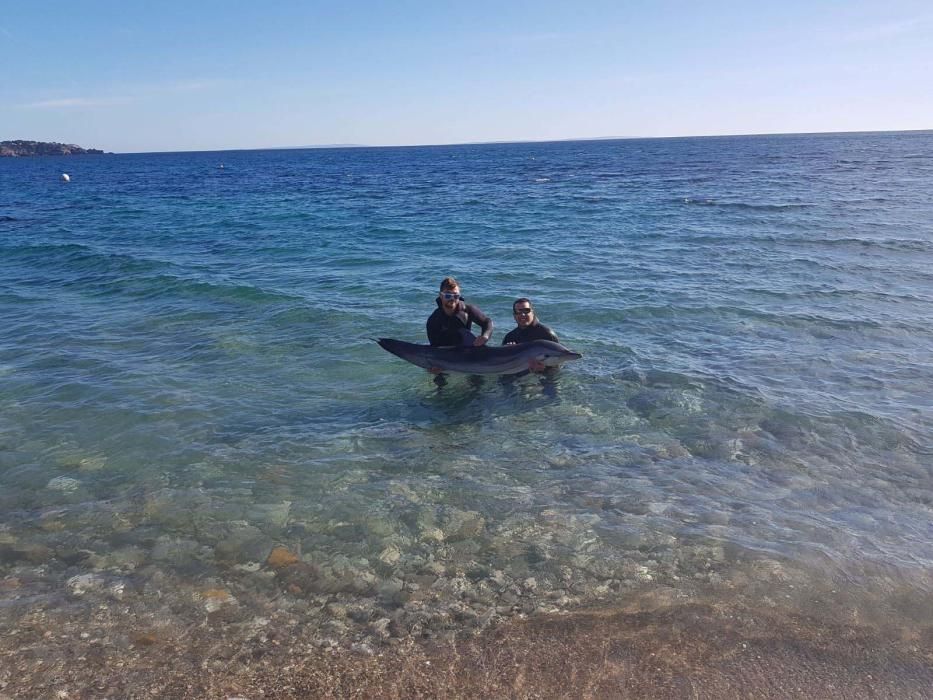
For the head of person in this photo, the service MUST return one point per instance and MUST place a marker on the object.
(524, 312)
(449, 296)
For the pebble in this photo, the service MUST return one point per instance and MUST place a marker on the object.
(281, 557)
(92, 464)
(390, 555)
(215, 598)
(275, 514)
(175, 551)
(434, 534)
(245, 544)
(65, 484)
(128, 558)
(81, 584)
(462, 524)
(380, 627)
(644, 573)
(378, 526)
(362, 649)
(249, 568)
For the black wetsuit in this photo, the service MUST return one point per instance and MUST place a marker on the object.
(455, 329)
(536, 331)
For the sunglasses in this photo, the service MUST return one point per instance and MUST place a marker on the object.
(523, 312)
(451, 296)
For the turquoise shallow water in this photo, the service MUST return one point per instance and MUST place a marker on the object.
(187, 379)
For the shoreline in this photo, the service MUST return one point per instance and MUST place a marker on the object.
(653, 647)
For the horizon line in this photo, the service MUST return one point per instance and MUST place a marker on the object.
(524, 141)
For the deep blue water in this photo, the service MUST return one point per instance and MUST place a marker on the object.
(187, 375)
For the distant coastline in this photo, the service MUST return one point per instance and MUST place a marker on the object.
(577, 139)
(13, 149)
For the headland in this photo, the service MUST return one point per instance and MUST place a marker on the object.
(12, 149)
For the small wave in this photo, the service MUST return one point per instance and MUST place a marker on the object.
(4, 219)
(710, 202)
(17, 297)
(45, 251)
(84, 260)
(845, 293)
(861, 200)
(651, 313)
(165, 285)
(542, 179)
(908, 244)
(138, 277)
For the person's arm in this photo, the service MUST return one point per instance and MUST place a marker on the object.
(483, 321)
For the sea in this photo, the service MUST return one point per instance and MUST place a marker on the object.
(197, 425)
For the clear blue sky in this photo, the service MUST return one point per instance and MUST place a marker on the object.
(206, 74)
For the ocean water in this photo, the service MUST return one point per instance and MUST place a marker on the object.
(188, 380)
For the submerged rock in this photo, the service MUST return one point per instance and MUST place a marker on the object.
(175, 551)
(281, 557)
(214, 598)
(244, 545)
(124, 558)
(65, 484)
(84, 583)
(461, 524)
(92, 464)
(274, 514)
(390, 555)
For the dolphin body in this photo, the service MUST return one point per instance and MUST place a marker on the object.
(502, 359)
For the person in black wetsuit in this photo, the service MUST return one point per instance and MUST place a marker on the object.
(451, 323)
(528, 328)
(453, 319)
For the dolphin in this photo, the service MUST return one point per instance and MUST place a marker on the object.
(502, 359)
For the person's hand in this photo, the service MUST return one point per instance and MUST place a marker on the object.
(480, 341)
(536, 365)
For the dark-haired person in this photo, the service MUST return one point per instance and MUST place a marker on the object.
(453, 319)
(528, 328)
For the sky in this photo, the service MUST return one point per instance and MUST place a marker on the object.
(133, 76)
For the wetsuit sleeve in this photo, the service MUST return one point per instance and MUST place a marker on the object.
(481, 319)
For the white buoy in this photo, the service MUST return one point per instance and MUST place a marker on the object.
(65, 177)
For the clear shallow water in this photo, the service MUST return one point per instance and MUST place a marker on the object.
(188, 379)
